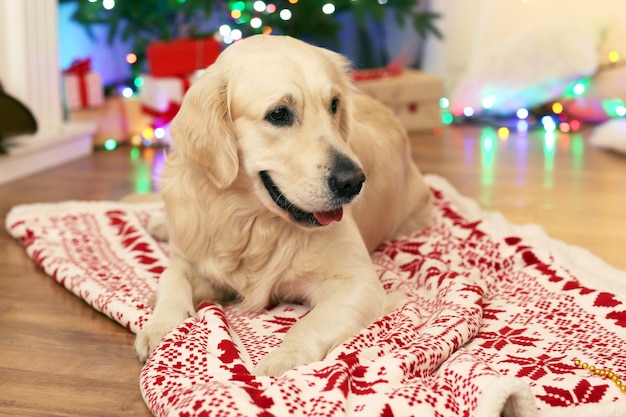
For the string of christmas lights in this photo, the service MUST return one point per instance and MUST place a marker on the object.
(257, 17)
(551, 116)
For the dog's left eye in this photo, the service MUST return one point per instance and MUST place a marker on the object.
(334, 105)
(280, 116)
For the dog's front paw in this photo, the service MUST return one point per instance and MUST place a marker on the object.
(280, 361)
(149, 337)
(147, 340)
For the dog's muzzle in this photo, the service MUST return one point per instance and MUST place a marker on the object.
(344, 182)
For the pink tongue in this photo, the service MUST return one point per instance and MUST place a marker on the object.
(328, 217)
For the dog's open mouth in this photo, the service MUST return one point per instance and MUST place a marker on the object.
(309, 219)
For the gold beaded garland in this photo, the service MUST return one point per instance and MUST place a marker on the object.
(605, 373)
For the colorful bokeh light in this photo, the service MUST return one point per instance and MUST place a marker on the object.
(110, 144)
(522, 114)
(131, 58)
(489, 101)
(328, 8)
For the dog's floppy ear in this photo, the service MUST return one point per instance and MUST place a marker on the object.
(343, 69)
(202, 130)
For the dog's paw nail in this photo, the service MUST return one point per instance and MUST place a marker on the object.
(142, 349)
(148, 339)
(145, 343)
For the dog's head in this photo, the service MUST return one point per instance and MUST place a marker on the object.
(278, 111)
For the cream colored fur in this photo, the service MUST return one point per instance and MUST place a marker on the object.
(230, 239)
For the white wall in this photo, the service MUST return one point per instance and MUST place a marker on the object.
(29, 66)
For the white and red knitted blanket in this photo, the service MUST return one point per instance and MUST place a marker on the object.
(496, 316)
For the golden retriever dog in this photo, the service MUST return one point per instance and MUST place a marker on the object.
(281, 180)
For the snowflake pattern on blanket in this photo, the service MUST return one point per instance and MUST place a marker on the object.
(491, 325)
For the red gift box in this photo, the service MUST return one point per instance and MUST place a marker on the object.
(161, 97)
(180, 57)
(82, 87)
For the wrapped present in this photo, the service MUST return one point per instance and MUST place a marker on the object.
(161, 97)
(412, 95)
(119, 118)
(181, 57)
(82, 87)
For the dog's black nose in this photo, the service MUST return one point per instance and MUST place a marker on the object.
(346, 178)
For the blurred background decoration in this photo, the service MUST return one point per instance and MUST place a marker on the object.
(144, 55)
(323, 22)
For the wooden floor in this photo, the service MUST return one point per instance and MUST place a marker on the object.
(58, 357)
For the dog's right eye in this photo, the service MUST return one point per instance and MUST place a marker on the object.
(280, 116)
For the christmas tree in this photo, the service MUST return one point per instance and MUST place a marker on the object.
(313, 20)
